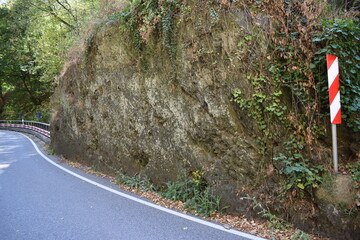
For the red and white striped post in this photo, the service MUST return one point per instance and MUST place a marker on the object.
(334, 99)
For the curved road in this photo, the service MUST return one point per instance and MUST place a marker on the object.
(41, 198)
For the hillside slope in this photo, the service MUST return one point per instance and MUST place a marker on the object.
(166, 90)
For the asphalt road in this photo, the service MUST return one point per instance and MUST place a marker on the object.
(41, 198)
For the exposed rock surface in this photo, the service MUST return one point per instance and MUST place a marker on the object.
(336, 201)
(339, 191)
(146, 123)
(112, 113)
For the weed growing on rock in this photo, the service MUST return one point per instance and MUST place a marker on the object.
(300, 175)
(263, 211)
(274, 222)
(300, 235)
(263, 106)
(195, 194)
(141, 183)
(51, 151)
(354, 170)
(142, 19)
(94, 168)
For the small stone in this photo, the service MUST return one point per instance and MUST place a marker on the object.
(227, 226)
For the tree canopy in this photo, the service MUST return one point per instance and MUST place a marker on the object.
(35, 36)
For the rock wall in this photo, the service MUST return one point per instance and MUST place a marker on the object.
(111, 111)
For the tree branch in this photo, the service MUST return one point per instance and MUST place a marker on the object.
(53, 13)
(67, 9)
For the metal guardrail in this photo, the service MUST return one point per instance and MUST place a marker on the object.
(42, 128)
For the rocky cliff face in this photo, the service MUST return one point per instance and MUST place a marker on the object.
(111, 111)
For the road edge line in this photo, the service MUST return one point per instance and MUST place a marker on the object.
(149, 204)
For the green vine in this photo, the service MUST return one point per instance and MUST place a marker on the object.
(141, 19)
(300, 175)
(340, 38)
(168, 10)
(131, 22)
(263, 106)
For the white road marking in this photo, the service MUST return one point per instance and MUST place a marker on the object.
(191, 218)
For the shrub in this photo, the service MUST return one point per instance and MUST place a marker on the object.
(195, 194)
(138, 182)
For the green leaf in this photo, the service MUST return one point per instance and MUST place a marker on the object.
(301, 186)
(324, 50)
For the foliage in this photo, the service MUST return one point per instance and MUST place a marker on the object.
(94, 168)
(292, 56)
(289, 84)
(263, 211)
(204, 203)
(344, 4)
(285, 69)
(20, 71)
(273, 221)
(138, 182)
(195, 194)
(354, 170)
(35, 38)
(300, 175)
(143, 18)
(300, 56)
(300, 235)
(263, 106)
(51, 151)
(340, 37)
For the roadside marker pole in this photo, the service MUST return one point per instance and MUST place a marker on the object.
(334, 146)
(334, 99)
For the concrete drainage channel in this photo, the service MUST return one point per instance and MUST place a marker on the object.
(38, 129)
